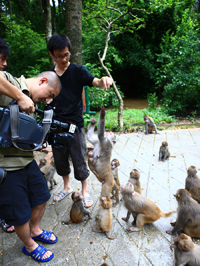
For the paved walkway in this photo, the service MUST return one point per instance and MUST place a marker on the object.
(78, 245)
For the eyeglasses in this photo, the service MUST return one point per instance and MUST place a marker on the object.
(62, 56)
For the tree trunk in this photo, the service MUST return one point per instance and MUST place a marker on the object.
(48, 24)
(74, 29)
(54, 16)
(10, 8)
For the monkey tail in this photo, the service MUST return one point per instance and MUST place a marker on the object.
(110, 237)
(167, 214)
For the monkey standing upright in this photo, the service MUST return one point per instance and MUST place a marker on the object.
(100, 162)
(135, 181)
(192, 183)
(185, 251)
(104, 217)
(164, 153)
(49, 170)
(149, 125)
(188, 215)
(142, 209)
(77, 211)
(115, 190)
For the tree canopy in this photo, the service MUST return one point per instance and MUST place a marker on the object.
(153, 48)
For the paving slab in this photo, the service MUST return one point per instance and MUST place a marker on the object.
(78, 246)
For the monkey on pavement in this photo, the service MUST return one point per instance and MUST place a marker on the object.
(188, 215)
(104, 217)
(42, 162)
(49, 170)
(116, 187)
(142, 209)
(192, 183)
(164, 153)
(149, 125)
(103, 144)
(135, 181)
(77, 211)
(186, 252)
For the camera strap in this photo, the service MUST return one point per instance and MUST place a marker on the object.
(14, 126)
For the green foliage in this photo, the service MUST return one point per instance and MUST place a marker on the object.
(152, 100)
(28, 49)
(180, 68)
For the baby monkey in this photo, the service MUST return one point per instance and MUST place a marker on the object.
(104, 217)
(48, 169)
(77, 211)
(164, 153)
(149, 125)
(185, 251)
(115, 190)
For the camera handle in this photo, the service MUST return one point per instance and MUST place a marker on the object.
(14, 126)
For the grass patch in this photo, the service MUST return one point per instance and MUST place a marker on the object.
(132, 118)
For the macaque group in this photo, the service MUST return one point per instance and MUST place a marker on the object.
(185, 251)
(99, 158)
(104, 217)
(149, 125)
(192, 183)
(142, 209)
(77, 211)
(188, 215)
(48, 169)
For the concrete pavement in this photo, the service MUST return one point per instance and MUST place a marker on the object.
(77, 245)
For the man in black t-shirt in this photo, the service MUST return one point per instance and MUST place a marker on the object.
(69, 108)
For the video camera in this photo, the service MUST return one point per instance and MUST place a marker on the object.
(29, 134)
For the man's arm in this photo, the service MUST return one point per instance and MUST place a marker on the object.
(104, 82)
(24, 102)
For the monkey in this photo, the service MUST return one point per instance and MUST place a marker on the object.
(135, 181)
(188, 215)
(186, 252)
(42, 162)
(142, 209)
(92, 162)
(149, 125)
(103, 144)
(114, 166)
(104, 217)
(77, 211)
(192, 183)
(49, 170)
(116, 187)
(164, 153)
(40, 154)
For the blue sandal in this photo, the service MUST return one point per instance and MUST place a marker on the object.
(38, 253)
(46, 237)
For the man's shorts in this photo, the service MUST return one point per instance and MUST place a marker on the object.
(22, 190)
(78, 156)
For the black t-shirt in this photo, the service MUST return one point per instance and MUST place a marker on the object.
(69, 103)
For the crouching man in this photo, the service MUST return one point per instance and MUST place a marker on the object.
(24, 192)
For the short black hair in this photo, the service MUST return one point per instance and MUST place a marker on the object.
(58, 42)
(4, 48)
